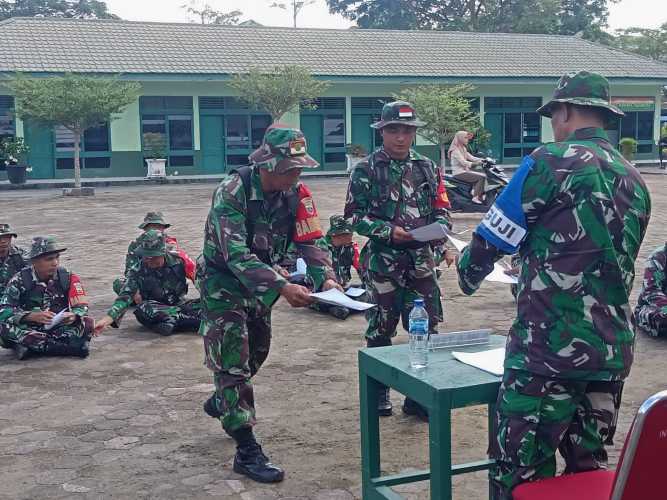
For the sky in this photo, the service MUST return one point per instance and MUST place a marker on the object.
(626, 13)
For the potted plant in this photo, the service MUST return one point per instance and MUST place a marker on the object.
(15, 152)
(155, 152)
(354, 154)
(628, 147)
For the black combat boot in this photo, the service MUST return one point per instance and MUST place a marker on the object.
(211, 407)
(189, 325)
(164, 328)
(21, 351)
(339, 312)
(384, 401)
(413, 408)
(251, 461)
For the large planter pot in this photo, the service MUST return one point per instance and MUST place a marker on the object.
(17, 174)
(156, 168)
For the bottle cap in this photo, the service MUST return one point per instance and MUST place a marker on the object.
(418, 302)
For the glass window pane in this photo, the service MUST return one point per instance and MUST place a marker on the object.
(236, 160)
(512, 127)
(6, 124)
(98, 162)
(181, 161)
(512, 153)
(67, 163)
(154, 124)
(258, 125)
(334, 131)
(334, 158)
(531, 127)
(629, 125)
(236, 135)
(645, 148)
(180, 102)
(645, 125)
(96, 138)
(64, 139)
(180, 132)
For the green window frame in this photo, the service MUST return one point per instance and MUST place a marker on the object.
(95, 147)
(638, 125)
(521, 126)
(332, 111)
(172, 116)
(7, 121)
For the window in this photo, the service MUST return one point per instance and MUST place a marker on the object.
(637, 125)
(645, 126)
(94, 152)
(237, 132)
(172, 117)
(512, 127)
(531, 127)
(334, 132)
(96, 138)
(180, 132)
(515, 127)
(258, 127)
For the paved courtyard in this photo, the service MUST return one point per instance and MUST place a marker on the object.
(127, 423)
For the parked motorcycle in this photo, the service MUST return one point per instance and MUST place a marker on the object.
(459, 192)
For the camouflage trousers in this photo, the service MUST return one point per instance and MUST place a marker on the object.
(184, 316)
(38, 340)
(535, 416)
(651, 319)
(236, 344)
(394, 298)
(118, 284)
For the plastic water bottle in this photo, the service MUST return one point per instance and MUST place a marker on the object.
(418, 335)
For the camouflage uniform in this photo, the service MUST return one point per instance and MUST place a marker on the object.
(651, 312)
(13, 262)
(247, 233)
(25, 293)
(577, 212)
(133, 260)
(164, 307)
(384, 193)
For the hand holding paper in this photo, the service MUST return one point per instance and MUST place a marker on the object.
(498, 274)
(337, 298)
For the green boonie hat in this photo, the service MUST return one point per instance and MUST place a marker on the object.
(582, 88)
(43, 245)
(154, 218)
(282, 149)
(398, 112)
(151, 244)
(339, 225)
(6, 229)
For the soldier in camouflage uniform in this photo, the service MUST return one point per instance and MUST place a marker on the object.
(576, 211)
(257, 212)
(34, 296)
(391, 192)
(156, 221)
(651, 312)
(161, 283)
(11, 257)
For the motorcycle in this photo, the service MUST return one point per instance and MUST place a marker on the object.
(459, 192)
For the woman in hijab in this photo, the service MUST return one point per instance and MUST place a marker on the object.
(463, 163)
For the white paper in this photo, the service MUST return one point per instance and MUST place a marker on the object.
(435, 231)
(458, 244)
(337, 298)
(56, 320)
(301, 268)
(354, 292)
(490, 361)
(498, 274)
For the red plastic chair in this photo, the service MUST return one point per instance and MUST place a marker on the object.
(639, 472)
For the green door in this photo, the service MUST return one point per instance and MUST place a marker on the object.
(212, 144)
(493, 122)
(362, 133)
(40, 158)
(311, 126)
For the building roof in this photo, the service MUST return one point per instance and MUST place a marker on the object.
(53, 45)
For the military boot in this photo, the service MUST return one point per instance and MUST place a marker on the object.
(164, 328)
(411, 407)
(189, 324)
(21, 351)
(251, 461)
(384, 401)
(339, 312)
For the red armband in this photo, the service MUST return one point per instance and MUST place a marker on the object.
(441, 198)
(77, 295)
(307, 222)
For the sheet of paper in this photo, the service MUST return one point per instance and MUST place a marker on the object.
(458, 244)
(56, 320)
(497, 275)
(338, 298)
(435, 231)
(301, 268)
(354, 292)
(490, 361)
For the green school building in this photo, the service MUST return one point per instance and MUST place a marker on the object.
(184, 69)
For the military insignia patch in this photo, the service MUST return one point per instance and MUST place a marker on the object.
(297, 147)
(308, 205)
(406, 112)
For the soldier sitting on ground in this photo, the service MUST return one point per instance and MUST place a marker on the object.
(156, 221)
(160, 282)
(651, 312)
(11, 257)
(33, 298)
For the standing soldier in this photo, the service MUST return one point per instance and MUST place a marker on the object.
(11, 257)
(576, 211)
(158, 286)
(155, 221)
(35, 296)
(651, 312)
(256, 212)
(392, 192)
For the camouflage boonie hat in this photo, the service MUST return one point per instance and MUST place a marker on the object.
(44, 245)
(398, 112)
(6, 230)
(584, 89)
(282, 149)
(339, 225)
(154, 218)
(151, 244)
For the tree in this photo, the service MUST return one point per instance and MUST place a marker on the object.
(279, 90)
(647, 42)
(72, 101)
(208, 15)
(445, 109)
(82, 9)
(295, 6)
